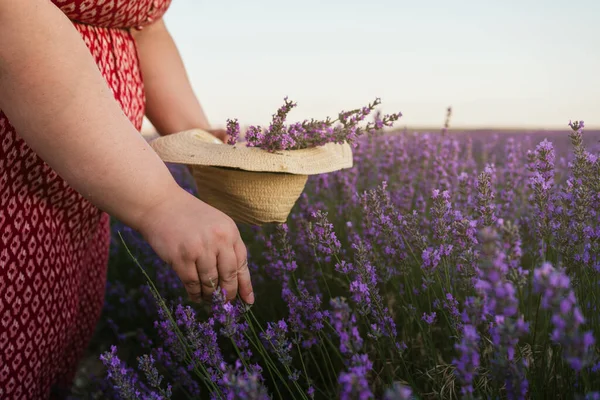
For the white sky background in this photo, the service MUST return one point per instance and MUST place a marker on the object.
(499, 63)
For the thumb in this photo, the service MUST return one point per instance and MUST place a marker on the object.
(220, 134)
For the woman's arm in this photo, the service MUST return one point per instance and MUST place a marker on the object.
(171, 104)
(54, 95)
(56, 98)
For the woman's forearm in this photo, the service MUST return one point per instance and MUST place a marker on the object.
(59, 103)
(171, 104)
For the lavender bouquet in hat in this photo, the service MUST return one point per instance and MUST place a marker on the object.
(303, 135)
(259, 180)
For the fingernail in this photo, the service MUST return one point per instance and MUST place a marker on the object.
(251, 298)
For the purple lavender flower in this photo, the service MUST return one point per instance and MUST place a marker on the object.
(577, 126)
(242, 384)
(275, 336)
(512, 245)
(322, 236)
(469, 361)
(306, 318)
(429, 318)
(200, 336)
(279, 254)
(229, 315)
(254, 134)
(313, 133)
(500, 310)
(233, 131)
(366, 295)
(154, 378)
(354, 383)
(465, 199)
(442, 221)
(557, 296)
(485, 197)
(383, 229)
(511, 178)
(345, 325)
(124, 379)
(541, 182)
(398, 392)
(168, 331)
(442, 213)
(179, 371)
(449, 305)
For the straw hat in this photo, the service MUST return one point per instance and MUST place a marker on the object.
(249, 184)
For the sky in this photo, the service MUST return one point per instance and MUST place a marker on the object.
(498, 63)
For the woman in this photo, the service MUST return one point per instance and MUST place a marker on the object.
(72, 103)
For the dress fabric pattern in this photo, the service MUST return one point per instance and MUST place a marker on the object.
(53, 243)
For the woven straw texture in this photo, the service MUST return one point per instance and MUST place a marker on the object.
(250, 185)
(194, 147)
(253, 198)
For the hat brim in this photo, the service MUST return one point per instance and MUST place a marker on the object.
(194, 147)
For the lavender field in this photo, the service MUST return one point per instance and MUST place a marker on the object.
(443, 265)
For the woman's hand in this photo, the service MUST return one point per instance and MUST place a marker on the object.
(201, 244)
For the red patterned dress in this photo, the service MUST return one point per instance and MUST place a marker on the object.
(54, 243)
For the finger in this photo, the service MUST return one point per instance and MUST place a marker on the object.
(191, 281)
(221, 134)
(243, 275)
(228, 268)
(209, 275)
